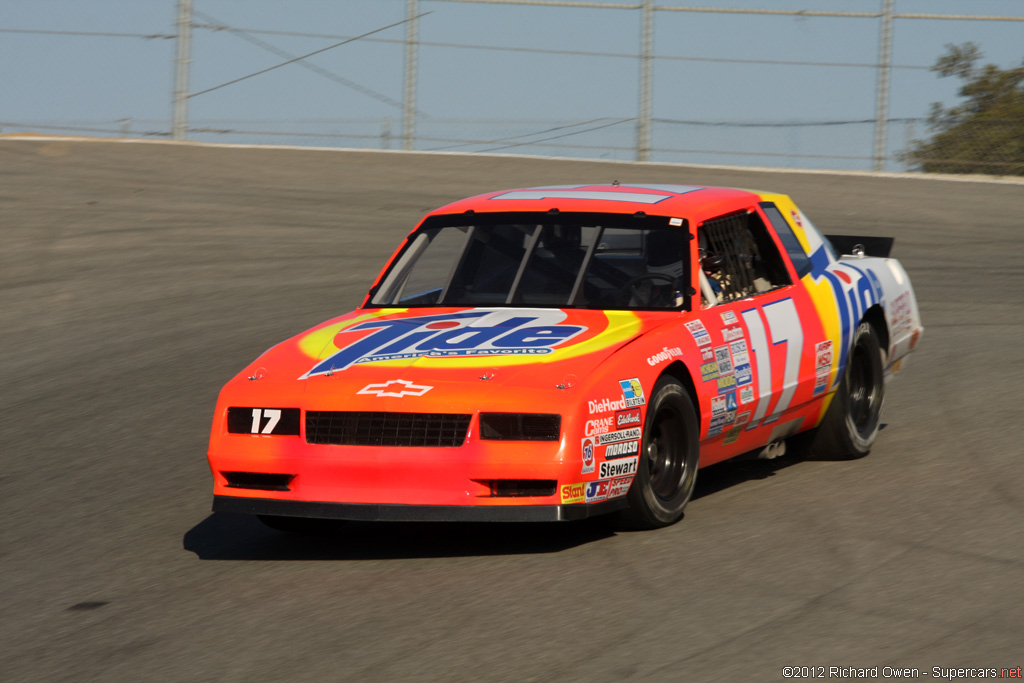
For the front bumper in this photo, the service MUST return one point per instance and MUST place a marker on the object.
(368, 512)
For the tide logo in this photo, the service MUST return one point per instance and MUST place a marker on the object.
(478, 332)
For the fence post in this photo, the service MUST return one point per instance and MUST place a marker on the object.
(181, 62)
(409, 99)
(882, 96)
(643, 124)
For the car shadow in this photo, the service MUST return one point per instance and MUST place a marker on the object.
(223, 536)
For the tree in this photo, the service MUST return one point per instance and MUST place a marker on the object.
(983, 134)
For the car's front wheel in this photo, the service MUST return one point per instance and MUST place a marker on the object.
(667, 469)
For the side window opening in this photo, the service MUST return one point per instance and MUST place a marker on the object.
(801, 262)
(738, 258)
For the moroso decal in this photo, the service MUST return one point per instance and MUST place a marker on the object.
(479, 332)
(614, 451)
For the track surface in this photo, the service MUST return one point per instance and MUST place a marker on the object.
(136, 279)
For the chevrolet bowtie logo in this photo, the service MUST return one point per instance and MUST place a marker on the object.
(396, 387)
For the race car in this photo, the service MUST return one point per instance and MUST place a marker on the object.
(556, 353)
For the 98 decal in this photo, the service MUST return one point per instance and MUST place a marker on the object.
(804, 672)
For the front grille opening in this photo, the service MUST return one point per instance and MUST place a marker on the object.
(261, 481)
(386, 429)
(520, 426)
(520, 488)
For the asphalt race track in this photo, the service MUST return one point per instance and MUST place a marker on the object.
(135, 279)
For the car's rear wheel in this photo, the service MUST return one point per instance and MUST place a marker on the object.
(301, 526)
(667, 469)
(851, 424)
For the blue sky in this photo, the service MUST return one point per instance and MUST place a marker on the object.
(85, 81)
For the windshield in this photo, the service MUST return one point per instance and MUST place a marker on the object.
(603, 261)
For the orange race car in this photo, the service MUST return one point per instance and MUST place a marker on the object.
(561, 352)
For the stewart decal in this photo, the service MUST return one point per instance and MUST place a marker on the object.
(618, 468)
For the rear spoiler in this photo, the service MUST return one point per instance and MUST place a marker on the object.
(861, 246)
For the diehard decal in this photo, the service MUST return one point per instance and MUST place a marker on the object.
(618, 468)
(478, 332)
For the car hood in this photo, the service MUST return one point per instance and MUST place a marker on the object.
(448, 357)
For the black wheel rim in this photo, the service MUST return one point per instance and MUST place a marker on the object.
(666, 453)
(864, 391)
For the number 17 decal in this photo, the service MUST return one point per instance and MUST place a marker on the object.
(784, 328)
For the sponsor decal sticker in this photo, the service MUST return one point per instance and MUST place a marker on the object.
(732, 435)
(732, 333)
(396, 388)
(723, 359)
(820, 382)
(675, 222)
(747, 394)
(727, 383)
(632, 392)
(573, 493)
(587, 447)
(477, 332)
(699, 332)
(619, 487)
(621, 449)
(599, 425)
(708, 371)
(618, 468)
(823, 354)
(707, 354)
(664, 355)
(627, 418)
(718, 405)
(743, 374)
(622, 435)
(606, 405)
(729, 318)
(596, 490)
(739, 352)
(742, 418)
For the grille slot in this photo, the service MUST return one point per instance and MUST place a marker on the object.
(261, 481)
(386, 429)
(520, 426)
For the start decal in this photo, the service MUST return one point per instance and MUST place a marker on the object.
(477, 332)
(573, 493)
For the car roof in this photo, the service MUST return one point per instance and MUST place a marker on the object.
(658, 199)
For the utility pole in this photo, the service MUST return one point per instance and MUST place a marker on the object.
(181, 62)
(643, 124)
(409, 99)
(882, 96)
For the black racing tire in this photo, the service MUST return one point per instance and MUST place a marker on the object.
(853, 419)
(667, 468)
(301, 526)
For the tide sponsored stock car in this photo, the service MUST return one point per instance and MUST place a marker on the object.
(561, 352)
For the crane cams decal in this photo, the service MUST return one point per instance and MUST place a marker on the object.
(479, 332)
